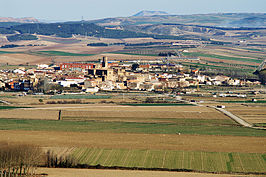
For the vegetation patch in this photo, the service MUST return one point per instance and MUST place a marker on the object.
(126, 127)
(19, 37)
(10, 107)
(6, 52)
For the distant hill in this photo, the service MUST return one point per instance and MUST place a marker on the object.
(68, 29)
(215, 19)
(146, 13)
(250, 21)
(19, 20)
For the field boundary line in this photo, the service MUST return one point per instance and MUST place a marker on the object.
(191, 159)
(258, 159)
(145, 158)
(240, 162)
(98, 156)
(201, 161)
(222, 162)
(126, 157)
(164, 158)
(152, 157)
(85, 152)
(90, 154)
(108, 156)
(183, 159)
(80, 152)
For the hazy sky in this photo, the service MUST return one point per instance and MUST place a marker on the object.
(94, 9)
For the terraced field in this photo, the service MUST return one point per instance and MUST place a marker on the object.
(172, 160)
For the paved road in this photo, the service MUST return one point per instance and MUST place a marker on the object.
(237, 119)
(234, 117)
(5, 102)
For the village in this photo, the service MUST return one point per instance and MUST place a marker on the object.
(104, 75)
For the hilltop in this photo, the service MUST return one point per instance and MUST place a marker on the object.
(145, 13)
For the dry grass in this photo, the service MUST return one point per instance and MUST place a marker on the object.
(207, 143)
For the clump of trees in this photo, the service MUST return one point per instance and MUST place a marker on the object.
(19, 37)
(64, 161)
(99, 44)
(65, 102)
(20, 159)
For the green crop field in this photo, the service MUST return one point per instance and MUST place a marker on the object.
(60, 53)
(173, 160)
(9, 107)
(6, 52)
(222, 57)
(80, 97)
(130, 127)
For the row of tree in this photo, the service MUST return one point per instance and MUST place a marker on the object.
(20, 159)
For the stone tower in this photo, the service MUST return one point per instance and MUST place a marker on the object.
(105, 62)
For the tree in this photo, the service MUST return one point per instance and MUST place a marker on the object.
(134, 66)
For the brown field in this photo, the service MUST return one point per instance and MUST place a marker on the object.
(66, 172)
(250, 114)
(205, 143)
(113, 113)
(16, 59)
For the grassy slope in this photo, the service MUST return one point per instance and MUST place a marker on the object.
(192, 127)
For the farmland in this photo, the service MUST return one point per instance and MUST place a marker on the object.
(172, 160)
(167, 136)
(223, 57)
(186, 127)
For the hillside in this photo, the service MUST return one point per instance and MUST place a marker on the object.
(219, 19)
(67, 30)
(19, 20)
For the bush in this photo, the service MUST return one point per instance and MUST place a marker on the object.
(149, 100)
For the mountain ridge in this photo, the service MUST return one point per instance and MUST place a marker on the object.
(145, 13)
(19, 20)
